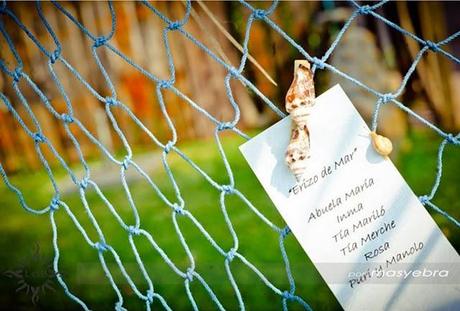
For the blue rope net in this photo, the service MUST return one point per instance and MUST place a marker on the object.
(179, 206)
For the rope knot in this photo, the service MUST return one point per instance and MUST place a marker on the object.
(17, 74)
(228, 189)
(132, 230)
(165, 84)
(174, 25)
(101, 247)
(424, 199)
(234, 72)
(451, 139)
(167, 148)
(39, 138)
(224, 126)
(84, 183)
(125, 162)
(189, 274)
(54, 205)
(318, 62)
(111, 101)
(67, 118)
(55, 55)
(259, 14)
(432, 46)
(178, 209)
(287, 295)
(285, 231)
(231, 254)
(385, 98)
(150, 296)
(364, 9)
(100, 41)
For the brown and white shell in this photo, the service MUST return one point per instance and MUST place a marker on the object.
(299, 101)
(298, 151)
(301, 94)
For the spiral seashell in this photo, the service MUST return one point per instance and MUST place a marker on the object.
(381, 144)
(299, 101)
(301, 94)
(298, 151)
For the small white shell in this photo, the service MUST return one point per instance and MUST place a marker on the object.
(381, 144)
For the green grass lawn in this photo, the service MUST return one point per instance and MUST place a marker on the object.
(79, 262)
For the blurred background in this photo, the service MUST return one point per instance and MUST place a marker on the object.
(370, 51)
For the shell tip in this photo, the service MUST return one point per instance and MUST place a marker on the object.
(302, 62)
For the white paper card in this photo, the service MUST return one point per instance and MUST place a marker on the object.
(355, 216)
